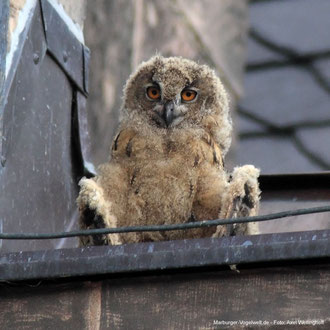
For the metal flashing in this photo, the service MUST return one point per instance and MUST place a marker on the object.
(4, 15)
(168, 255)
(67, 50)
(38, 177)
(81, 137)
(11, 63)
(86, 58)
(18, 36)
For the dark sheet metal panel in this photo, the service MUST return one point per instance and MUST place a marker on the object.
(81, 136)
(87, 55)
(4, 15)
(182, 254)
(64, 47)
(38, 183)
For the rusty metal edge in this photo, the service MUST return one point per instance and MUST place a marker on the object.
(160, 256)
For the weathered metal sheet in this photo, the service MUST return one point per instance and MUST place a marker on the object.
(81, 137)
(64, 47)
(86, 59)
(181, 254)
(4, 15)
(38, 183)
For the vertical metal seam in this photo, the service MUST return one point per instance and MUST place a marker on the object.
(4, 19)
(43, 21)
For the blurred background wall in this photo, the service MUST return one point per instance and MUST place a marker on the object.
(121, 34)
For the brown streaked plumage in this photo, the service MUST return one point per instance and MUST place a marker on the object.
(166, 161)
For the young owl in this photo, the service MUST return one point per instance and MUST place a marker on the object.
(166, 163)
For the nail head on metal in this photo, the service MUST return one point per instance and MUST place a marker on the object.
(36, 58)
(65, 57)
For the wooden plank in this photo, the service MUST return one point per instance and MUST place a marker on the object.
(50, 305)
(197, 301)
(189, 300)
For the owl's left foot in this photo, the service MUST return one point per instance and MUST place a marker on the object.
(242, 199)
(95, 213)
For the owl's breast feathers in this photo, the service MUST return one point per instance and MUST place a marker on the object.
(182, 146)
(169, 176)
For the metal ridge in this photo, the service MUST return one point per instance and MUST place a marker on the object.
(168, 255)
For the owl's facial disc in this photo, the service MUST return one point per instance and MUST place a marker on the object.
(169, 113)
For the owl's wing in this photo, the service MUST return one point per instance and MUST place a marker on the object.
(211, 152)
(122, 144)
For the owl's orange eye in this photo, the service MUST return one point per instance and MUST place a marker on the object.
(153, 92)
(188, 95)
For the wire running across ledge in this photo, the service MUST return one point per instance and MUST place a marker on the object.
(183, 226)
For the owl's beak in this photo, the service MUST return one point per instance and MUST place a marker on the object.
(165, 114)
(168, 113)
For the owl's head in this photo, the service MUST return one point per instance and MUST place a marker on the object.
(176, 93)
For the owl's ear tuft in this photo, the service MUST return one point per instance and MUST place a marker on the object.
(157, 60)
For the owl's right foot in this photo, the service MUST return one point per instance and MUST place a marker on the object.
(242, 199)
